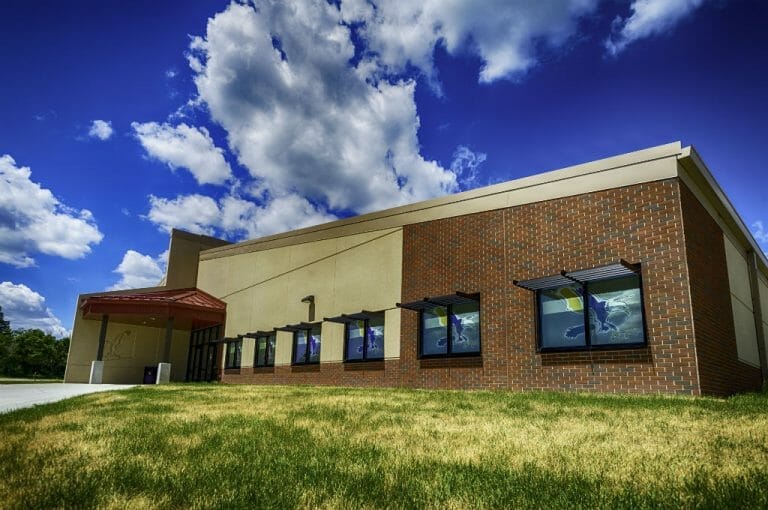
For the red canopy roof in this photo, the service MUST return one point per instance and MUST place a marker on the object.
(186, 304)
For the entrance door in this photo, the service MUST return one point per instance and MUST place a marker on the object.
(202, 361)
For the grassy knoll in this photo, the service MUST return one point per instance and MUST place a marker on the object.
(204, 446)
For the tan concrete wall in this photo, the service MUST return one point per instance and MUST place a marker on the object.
(127, 350)
(263, 289)
(741, 301)
(248, 352)
(762, 284)
(183, 256)
(283, 348)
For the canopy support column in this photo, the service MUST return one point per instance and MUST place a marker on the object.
(97, 366)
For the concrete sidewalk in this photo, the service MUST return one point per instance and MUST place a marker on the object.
(17, 396)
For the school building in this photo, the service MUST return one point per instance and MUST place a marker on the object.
(629, 274)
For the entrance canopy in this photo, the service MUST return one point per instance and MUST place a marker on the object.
(190, 308)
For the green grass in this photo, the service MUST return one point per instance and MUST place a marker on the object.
(214, 446)
(19, 380)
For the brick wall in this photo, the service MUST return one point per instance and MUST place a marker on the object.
(485, 252)
(720, 371)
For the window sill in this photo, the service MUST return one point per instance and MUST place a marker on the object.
(232, 371)
(475, 360)
(637, 354)
(264, 370)
(307, 367)
(359, 365)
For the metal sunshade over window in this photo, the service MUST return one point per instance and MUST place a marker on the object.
(597, 308)
(449, 325)
(363, 335)
(623, 268)
(264, 347)
(306, 342)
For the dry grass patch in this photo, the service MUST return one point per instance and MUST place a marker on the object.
(202, 446)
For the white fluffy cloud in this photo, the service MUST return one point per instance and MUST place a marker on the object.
(137, 270)
(502, 33)
(648, 18)
(25, 309)
(466, 165)
(234, 217)
(187, 147)
(301, 119)
(318, 102)
(33, 220)
(101, 129)
(760, 232)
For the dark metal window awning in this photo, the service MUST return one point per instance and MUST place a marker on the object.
(582, 276)
(256, 334)
(352, 317)
(427, 303)
(296, 327)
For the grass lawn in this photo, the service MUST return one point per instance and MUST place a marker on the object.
(204, 446)
(20, 380)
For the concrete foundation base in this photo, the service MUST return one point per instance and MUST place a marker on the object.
(97, 372)
(163, 373)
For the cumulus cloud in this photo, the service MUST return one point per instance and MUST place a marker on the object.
(234, 217)
(101, 129)
(187, 147)
(25, 309)
(760, 233)
(503, 34)
(301, 119)
(466, 165)
(648, 18)
(137, 270)
(33, 220)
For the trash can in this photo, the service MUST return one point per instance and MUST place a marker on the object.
(150, 375)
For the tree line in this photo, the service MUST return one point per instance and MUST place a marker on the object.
(31, 353)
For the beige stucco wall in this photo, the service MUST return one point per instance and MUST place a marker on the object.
(762, 284)
(127, 350)
(263, 289)
(183, 255)
(741, 301)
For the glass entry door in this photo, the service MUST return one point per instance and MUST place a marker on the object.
(202, 362)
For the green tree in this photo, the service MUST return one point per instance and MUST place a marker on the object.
(32, 353)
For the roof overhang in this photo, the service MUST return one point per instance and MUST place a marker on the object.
(189, 307)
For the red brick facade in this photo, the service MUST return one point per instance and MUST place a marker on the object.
(485, 252)
(720, 371)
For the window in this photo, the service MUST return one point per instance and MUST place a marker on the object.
(306, 345)
(264, 355)
(450, 330)
(612, 318)
(364, 339)
(234, 352)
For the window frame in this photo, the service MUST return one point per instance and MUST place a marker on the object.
(308, 330)
(587, 347)
(449, 335)
(365, 357)
(237, 363)
(267, 361)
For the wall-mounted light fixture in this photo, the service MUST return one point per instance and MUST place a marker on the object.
(311, 300)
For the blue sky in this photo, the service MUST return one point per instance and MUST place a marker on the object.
(121, 120)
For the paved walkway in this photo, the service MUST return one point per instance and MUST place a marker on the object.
(17, 396)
